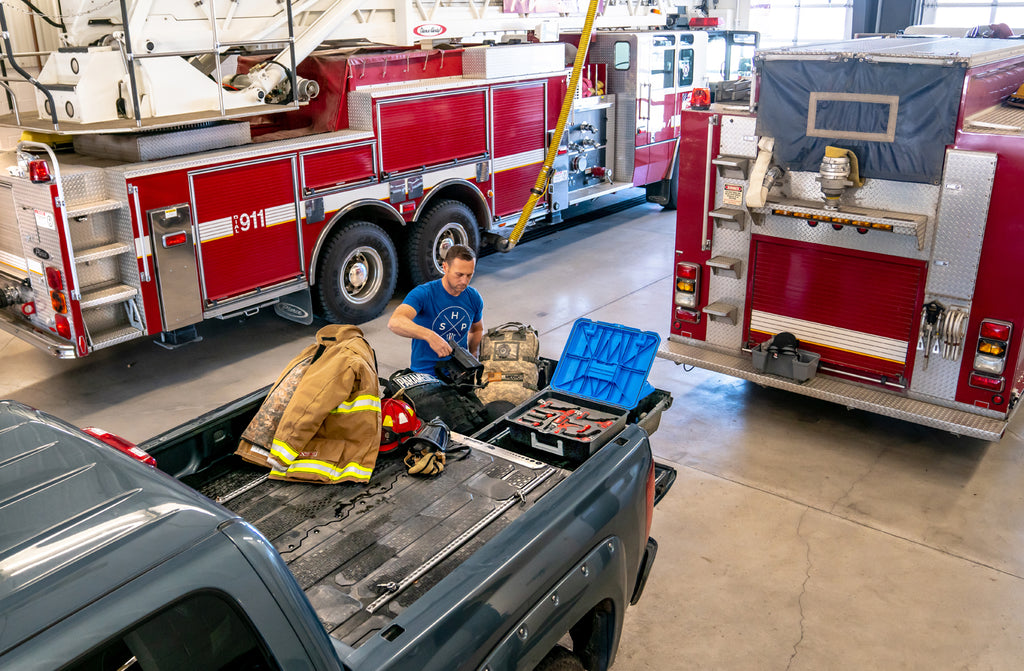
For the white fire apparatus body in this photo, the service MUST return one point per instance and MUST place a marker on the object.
(871, 208)
(185, 199)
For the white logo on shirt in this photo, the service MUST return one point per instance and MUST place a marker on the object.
(452, 321)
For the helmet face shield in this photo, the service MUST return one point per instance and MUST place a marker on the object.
(398, 423)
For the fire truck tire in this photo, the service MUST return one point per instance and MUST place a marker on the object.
(357, 274)
(445, 224)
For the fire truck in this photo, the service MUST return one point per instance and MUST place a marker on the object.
(189, 161)
(869, 208)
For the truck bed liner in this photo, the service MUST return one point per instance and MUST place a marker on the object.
(348, 545)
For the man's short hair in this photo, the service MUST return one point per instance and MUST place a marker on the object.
(459, 252)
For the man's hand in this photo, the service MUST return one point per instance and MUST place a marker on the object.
(439, 345)
(401, 323)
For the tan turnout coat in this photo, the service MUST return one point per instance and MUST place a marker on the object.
(328, 430)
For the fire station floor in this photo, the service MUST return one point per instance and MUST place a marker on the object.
(799, 534)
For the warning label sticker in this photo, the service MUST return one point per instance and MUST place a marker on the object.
(733, 195)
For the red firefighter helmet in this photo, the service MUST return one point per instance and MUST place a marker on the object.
(398, 422)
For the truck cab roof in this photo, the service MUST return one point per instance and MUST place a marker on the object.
(78, 519)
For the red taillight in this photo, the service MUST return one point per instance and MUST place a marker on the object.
(28, 309)
(39, 171)
(687, 292)
(690, 316)
(700, 98)
(993, 341)
(121, 445)
(686, 271)
(650, 500)
(54, 278)
(986, 382)
(995, 330)
(704, 22)
(175, 239)
(63, 326)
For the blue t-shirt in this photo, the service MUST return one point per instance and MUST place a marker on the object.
(445, 315)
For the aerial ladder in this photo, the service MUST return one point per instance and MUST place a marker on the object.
(130, 65)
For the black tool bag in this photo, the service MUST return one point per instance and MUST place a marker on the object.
(509, 354)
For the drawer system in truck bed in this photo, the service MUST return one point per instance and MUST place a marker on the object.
(363, 553)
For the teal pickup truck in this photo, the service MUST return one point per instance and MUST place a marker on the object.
(512, 558)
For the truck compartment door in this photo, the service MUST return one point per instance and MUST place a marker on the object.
(247, 227)
(174, 249)
(519, 144)
(858, 310)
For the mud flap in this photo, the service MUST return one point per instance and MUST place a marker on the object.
(650, 552)
(296, 307)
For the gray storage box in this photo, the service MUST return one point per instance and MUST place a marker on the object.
(800, 367)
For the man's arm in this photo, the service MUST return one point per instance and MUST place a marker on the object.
(401, 323)
(476, 334)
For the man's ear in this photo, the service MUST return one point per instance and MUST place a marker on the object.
(444, 267)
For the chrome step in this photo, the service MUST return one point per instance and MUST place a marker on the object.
(95, 297)
(114, 336)
(94, 207)
(103, 252)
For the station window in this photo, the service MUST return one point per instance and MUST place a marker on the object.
(966, 14)
(789, 22)
(202, 632)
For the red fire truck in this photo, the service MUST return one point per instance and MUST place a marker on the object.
(304, 180)
(869, 208)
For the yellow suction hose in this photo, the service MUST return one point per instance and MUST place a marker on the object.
(541, 185)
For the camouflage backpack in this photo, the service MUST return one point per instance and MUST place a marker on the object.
(509, 355)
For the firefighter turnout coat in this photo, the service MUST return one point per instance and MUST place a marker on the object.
(325, 424)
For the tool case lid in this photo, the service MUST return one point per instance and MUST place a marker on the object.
(606, 362)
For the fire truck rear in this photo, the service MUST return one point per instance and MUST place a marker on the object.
(178, 170)
(870, 208)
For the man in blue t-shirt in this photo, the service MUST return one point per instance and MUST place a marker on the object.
(444, 308)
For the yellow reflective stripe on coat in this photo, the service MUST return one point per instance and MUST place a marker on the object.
(351, 470)
(283, 451)
(365, 402)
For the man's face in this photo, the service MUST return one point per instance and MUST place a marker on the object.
(457, 275)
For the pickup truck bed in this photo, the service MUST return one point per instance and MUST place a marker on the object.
(363, 553)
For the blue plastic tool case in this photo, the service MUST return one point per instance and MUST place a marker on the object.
(603, 370)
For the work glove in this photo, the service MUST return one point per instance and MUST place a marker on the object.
(427, 447)
(424, 462)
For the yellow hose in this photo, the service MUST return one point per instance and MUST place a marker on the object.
(541, 185)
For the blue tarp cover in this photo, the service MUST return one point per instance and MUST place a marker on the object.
(896, 117)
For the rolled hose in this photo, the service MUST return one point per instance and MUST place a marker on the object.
(541, 185)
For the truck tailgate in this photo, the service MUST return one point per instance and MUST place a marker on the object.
(364, 553)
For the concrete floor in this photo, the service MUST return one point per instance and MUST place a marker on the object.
(799, 535)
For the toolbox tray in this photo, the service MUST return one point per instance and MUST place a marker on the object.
(575, 449)
(799, 367)
(603, 369)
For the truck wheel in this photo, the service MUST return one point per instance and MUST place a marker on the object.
(445, 224)
(357, 274)
(560, 659)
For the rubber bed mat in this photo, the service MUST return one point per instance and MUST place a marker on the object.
(349, 545)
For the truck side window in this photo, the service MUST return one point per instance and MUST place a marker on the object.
(621, 56)
(202, 632)
(686, 67)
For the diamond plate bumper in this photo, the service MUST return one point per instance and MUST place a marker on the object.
(827, 388)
